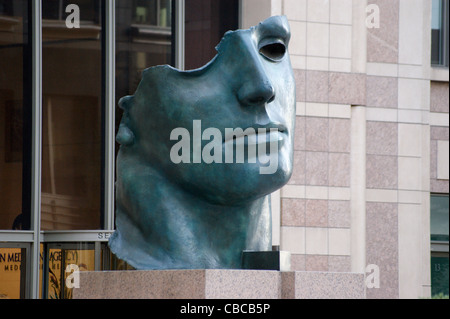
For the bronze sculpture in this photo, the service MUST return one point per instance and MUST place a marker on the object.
(193, 173)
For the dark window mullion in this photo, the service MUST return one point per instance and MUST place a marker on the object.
(27, 119)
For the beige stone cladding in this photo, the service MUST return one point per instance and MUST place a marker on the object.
(371, 141)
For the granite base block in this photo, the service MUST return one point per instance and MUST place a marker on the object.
(323, 285)
(219, 284)
(179, 284)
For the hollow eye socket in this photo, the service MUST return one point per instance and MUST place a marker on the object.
(273, 51)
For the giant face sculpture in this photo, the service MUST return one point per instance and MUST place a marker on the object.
(202, 150)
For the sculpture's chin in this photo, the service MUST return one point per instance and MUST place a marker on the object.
(250, 188)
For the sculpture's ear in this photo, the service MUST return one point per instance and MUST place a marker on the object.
(125, 135)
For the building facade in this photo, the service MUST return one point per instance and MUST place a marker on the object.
(369, 191)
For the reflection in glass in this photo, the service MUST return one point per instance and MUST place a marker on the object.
(206, 23)
(439, 217)
(439, 211)
(156, 13)
(84, 256)
(15, 115)
(439, 275)
(61, 256)
(439, 32)
(71, 117)
(143, 39)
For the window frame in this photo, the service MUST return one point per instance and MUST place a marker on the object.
(444, 36)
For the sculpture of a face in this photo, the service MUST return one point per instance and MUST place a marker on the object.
(249, 85)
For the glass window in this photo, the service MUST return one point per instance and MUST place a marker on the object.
(439, 32)
(12, 271)
(143, 39)
(56, 10)
(71, 117)
(61, 261)
(15, 115)
(206, 23)
(439, 275)
(440, 243)
(156, 13)
(439, 217)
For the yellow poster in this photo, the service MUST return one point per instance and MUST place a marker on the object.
(10, 272)
(84, 260)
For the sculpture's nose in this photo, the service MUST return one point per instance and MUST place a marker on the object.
(256, 92)
(256, 88)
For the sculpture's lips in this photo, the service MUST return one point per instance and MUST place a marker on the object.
(258, 134)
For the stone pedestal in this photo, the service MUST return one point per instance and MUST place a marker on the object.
(323, 285)
(219, 284)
